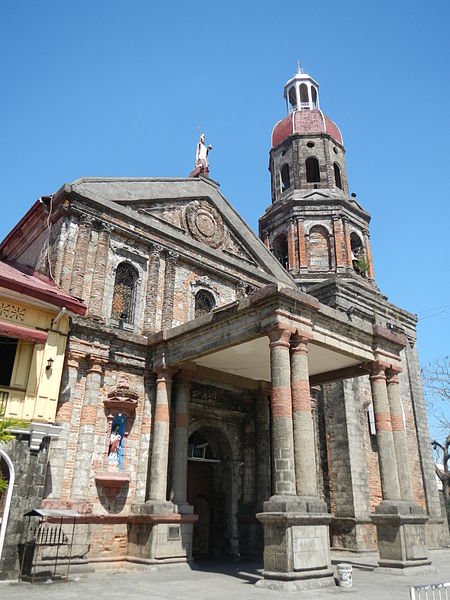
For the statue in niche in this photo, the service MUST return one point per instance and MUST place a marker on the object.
(115, 451)
(201, 158)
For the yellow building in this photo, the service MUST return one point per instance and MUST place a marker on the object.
(34, 324)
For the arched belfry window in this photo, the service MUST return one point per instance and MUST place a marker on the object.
(124, 293)
(312, 170)
(304, 98)
(358, 255)
(314, 96)
(204, 303)
(285, 178)
(280, 250)
(292, 98)
(319, 249)
(337, 175)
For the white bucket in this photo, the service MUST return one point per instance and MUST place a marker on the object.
(344, 575)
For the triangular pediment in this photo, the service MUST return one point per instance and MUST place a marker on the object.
(315, 195)
(192, 211)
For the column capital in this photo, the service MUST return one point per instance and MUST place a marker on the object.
(164, 373)
(184, 376)
(172, 256)
(392, 375)
(86, 219)
(155, 249)
(74, 357)
(279, 336)
(299, 343)
(377, 370)
(106, 227)
(95, 363)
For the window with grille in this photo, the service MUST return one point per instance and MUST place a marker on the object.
(124, 293)
(204, 303)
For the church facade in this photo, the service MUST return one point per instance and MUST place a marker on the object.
(230, 395)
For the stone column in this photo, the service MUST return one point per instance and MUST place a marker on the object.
(169, 290)
(151, 295)
(180, 439)
(348, 246)
(59, 445)
(58, 251)
(338, 243)
(142, 474)
(282, 433)
(399, 435)
(390, 486)
(100, 268)
(81, 250)
(86, 434)
(262, 466)
(305, 460)
(160, 446)
(303, 260)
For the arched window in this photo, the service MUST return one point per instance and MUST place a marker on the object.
(124, 293)
(312, 170)
(358, 257)
(292, 98)
(319, 249)
(204, 303)
(337, 175)
(314, 97)
(304, 98)
(285, 178)
(280, 250)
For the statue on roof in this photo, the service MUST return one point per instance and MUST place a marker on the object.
(201, 158)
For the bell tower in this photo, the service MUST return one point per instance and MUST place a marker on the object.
(313, 226)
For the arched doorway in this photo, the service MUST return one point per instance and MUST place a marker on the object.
(210, 492)
(6, 472)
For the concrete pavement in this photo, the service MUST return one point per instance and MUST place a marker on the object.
(222, 581)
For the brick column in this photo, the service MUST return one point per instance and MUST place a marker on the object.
(282, 435)
(151, 294)
(348, 246)
(169, 290)
(262, 458)
(100, 268)
(86, 432)
(370, 273)
(399, 435)
(180, 438)
(338, 243)
(161, 427)
(81, 250)
(303, 260)
(305, 460)
(144, 436)
(292, 250)
(386, 453)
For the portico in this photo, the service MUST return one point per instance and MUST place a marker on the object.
(284, 341)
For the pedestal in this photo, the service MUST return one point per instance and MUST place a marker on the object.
(296, 544)
(158, 533)
(401, 537)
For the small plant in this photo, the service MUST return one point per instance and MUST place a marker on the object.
(361, 266)
(6, 424)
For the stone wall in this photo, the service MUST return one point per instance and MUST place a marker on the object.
(30, 471)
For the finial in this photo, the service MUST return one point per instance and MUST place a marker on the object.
(299, 67)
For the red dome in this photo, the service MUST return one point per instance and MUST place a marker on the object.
(305, 121)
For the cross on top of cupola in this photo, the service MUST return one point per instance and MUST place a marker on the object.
(301, 92)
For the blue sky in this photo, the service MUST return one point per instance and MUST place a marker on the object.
(115, 88)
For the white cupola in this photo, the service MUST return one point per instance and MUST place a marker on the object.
(301, 92)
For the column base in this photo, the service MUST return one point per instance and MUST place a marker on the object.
(354, 534)
(158, 533)
(296, 544)
(401, 535)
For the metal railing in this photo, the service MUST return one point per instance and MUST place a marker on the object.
(430, 591)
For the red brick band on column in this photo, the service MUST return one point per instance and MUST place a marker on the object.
(348, 245)
(301, 397)
(161, 413)
(292, 251)
(397, 423)
(383, 422)
(281, 402)
(370, 273)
